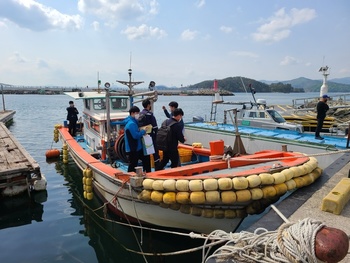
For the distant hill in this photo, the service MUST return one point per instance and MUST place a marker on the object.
(310, 85)
(341, 80)
(234, 84)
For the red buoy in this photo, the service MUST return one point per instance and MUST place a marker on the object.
(331, 244)
(53, 153)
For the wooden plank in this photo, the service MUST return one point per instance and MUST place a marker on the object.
(13, 157)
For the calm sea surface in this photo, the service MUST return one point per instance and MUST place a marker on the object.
(58, 225)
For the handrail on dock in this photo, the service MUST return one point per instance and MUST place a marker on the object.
(300, 103)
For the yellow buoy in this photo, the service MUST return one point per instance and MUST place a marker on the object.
(89, 196)
(279, 178)
(225, 184)
(145, 195)
(253, 180)
(147, 183)
(210, 184)
(158, 185)
(157, 196)
(257, 193)
(228, 197)
(266, 178)
(169, 185)
(240, 183)
(196, 185)
(197, 197)
(183, 197)
(182, 185)
(212, 196)
(243, 195)
(88, 181)
(169, 198)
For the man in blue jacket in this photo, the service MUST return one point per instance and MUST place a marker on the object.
(133, 144)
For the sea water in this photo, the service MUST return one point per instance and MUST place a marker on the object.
(58, 225)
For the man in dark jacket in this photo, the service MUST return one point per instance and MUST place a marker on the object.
(177, 136)
(322, 109)
(72, 117)
(146, 117)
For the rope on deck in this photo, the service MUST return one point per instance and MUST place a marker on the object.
(290, 243)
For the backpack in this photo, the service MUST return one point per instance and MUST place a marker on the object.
(142, 120)
(164, 135)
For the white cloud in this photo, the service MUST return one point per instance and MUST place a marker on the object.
(200, 3)
(115, 11)
(37, 17)
(226, 29)
(189, 35)
(288, 60)
(143, 32)
(42, 64)
(17, 58)
(96, 25)
(279, 26)
(244, 54)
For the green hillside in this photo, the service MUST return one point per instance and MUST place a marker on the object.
(234, 84)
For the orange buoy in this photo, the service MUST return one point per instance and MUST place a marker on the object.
(331, 244)
(53, 153)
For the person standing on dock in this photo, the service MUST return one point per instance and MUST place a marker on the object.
(72, 117)
(322, 108)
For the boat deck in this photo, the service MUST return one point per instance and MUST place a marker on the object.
(331, 141)
(15, 162)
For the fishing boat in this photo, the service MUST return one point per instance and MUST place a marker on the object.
(254, 113)
(213, 189)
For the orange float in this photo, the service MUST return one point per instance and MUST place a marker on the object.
(53, 153)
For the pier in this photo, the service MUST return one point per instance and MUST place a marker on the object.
(6, 116)
(19, 172)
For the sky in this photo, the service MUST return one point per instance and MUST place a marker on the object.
(174, 43)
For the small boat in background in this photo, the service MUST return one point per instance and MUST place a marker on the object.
(213, 189)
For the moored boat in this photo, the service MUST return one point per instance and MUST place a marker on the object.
(213, 189)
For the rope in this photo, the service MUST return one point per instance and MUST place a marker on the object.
(290, 243)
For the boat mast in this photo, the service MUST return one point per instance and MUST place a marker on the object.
(108, 120)
(324, 87)
(130, 84)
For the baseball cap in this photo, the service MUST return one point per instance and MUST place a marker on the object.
(325, 96)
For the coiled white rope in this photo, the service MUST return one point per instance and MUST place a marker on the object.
(290, 243)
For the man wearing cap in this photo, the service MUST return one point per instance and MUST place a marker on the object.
(322, 109)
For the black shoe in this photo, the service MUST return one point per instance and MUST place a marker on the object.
(319, 138)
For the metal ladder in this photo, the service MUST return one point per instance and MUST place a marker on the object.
(213, 112)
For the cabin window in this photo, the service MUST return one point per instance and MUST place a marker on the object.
(262, 114)
(252, 114)
(276, 116)
(94, 124)
(88, 104)
(119, 103)
(99, 104)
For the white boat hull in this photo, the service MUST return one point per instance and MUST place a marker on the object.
(326, 155)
